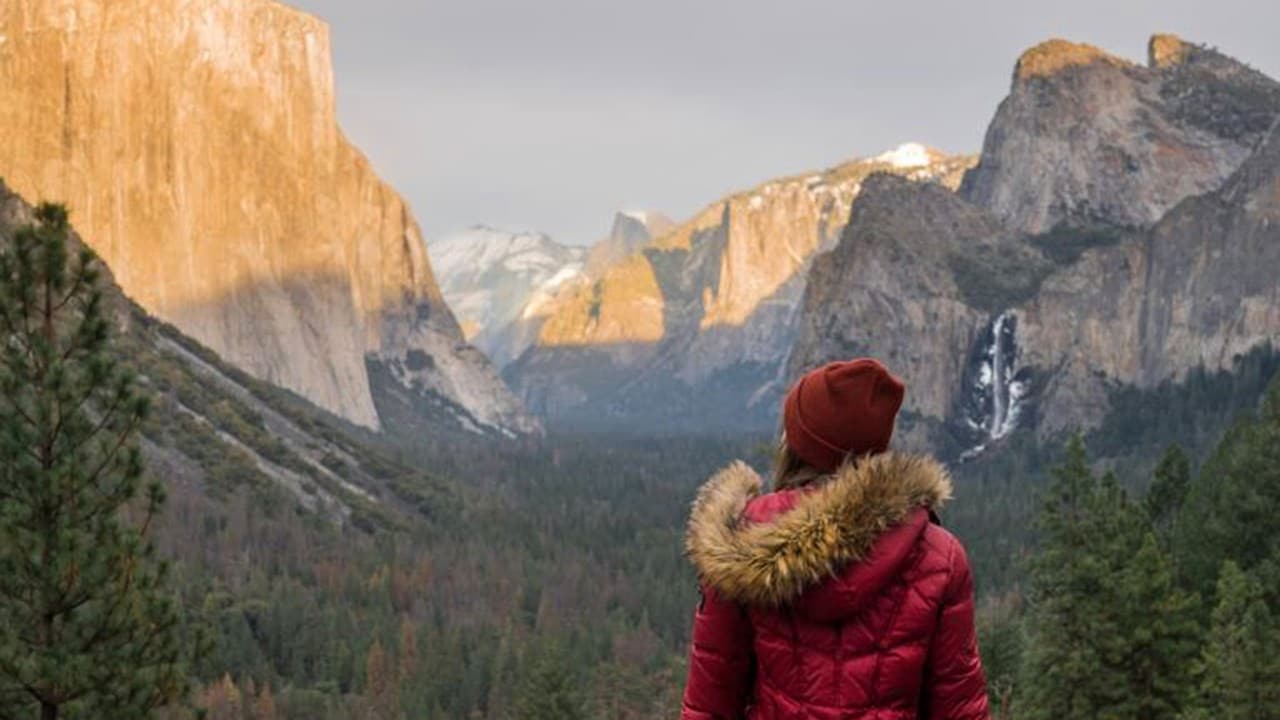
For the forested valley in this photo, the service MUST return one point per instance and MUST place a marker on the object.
(560, 591)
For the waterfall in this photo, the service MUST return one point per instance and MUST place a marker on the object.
(1007, 391)
(999, 386)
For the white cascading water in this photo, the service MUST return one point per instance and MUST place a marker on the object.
(1006, 391)
(998, 390)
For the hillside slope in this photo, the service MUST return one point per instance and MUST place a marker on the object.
(218, 431)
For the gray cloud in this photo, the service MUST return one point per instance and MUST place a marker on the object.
(550, 115)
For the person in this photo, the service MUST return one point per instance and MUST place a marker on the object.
(837, 596)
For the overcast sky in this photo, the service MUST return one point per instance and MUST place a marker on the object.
(552, 114)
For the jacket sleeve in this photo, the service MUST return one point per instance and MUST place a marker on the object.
(955, 685)
(721, 661)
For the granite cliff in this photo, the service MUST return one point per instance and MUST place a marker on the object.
(196, 144)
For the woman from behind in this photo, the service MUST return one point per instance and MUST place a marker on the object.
(837, 596)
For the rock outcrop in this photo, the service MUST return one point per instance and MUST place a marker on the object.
(196, 144)
(1085, 137)
(695, 328)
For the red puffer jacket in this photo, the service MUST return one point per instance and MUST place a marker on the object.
(838, 601)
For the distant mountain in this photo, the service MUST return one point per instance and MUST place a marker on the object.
(502, 285)
(694, 327)
(196, 144)
(631, 231)
(1119, 232)
(492, 279)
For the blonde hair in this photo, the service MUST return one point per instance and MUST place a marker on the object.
(789, 470)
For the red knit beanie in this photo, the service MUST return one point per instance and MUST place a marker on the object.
(841, 410)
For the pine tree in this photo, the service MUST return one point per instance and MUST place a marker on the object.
(381, 685)
(1241, 672)
(1168, 492)
(621, 691)
(1001, 637)
(1230, 509)
(548, 692)
(1158, 635)
(1110, 635)
(408, 648)
(87, 628)
(222, 700)
(1063, 659)
(264, 708)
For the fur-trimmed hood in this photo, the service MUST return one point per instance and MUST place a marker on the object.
(831, 525)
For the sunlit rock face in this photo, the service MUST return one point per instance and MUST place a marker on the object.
(693, 329)
(196, 145)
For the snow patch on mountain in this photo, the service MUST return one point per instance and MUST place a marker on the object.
(492, 278)
(906, 155)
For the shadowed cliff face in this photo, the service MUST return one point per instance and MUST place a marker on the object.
(195, 143)
(694, 329)
(1199, 289)
(996, 328)
(1085, 137)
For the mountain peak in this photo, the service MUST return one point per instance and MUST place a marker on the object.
(1055, 55)
(640, 216)
(1117, 143)
(654, 222)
